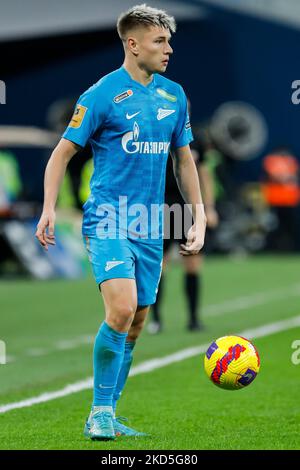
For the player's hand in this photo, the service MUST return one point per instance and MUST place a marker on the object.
(195, 239)
(45, 229)
(212, 217)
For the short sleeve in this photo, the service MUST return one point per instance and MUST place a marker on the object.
(89, 115)
(182, 134)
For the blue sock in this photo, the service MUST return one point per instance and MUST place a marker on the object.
(108, 356)
(124, 371)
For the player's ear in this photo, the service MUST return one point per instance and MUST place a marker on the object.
(132, 45)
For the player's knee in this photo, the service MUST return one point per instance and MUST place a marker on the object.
(121, 316)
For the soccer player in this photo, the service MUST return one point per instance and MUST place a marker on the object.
(131, 117)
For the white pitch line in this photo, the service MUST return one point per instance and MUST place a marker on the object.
(228, 306)
(61, 345)
(245, 302)
(258, 332)
(152, 364)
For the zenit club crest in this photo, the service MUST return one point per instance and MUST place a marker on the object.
(123, 96)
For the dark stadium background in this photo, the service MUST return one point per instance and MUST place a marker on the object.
(223, 55)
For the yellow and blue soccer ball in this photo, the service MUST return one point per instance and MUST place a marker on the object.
(232, 362)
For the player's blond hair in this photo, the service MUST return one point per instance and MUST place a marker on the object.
(143, 15)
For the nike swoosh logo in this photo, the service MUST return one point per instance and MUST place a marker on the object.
(112, 264)
(130, 116)
(162, 113)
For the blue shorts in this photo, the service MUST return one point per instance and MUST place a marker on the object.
(124, 258)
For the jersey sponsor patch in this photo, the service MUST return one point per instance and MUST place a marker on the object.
(166, 95)
(78, 116)
(131, 144)
(123, 96)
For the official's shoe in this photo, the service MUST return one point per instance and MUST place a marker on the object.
(154, 328)
(123, 430)
(195, 326)
(99, 426)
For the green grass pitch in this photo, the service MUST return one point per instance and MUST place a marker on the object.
(46, 326)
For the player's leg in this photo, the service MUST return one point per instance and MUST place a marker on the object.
(148, 269)
(120, 301)
(193, 289)
(113, 266)
(133, 334)
(156, 324)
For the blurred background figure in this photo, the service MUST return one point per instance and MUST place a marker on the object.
(192, 264)
(10, 181)
(281, 189)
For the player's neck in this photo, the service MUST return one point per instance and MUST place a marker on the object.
(137, 74)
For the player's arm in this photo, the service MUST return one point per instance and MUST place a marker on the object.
(207, 189)
(186, 175)
(89, 114)
(54, 175)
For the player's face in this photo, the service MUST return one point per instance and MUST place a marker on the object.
(154, 49)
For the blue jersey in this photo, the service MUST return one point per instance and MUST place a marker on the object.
(131, 128)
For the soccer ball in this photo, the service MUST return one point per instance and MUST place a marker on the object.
(232, 362)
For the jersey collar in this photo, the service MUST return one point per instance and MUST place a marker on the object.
(138, 84)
